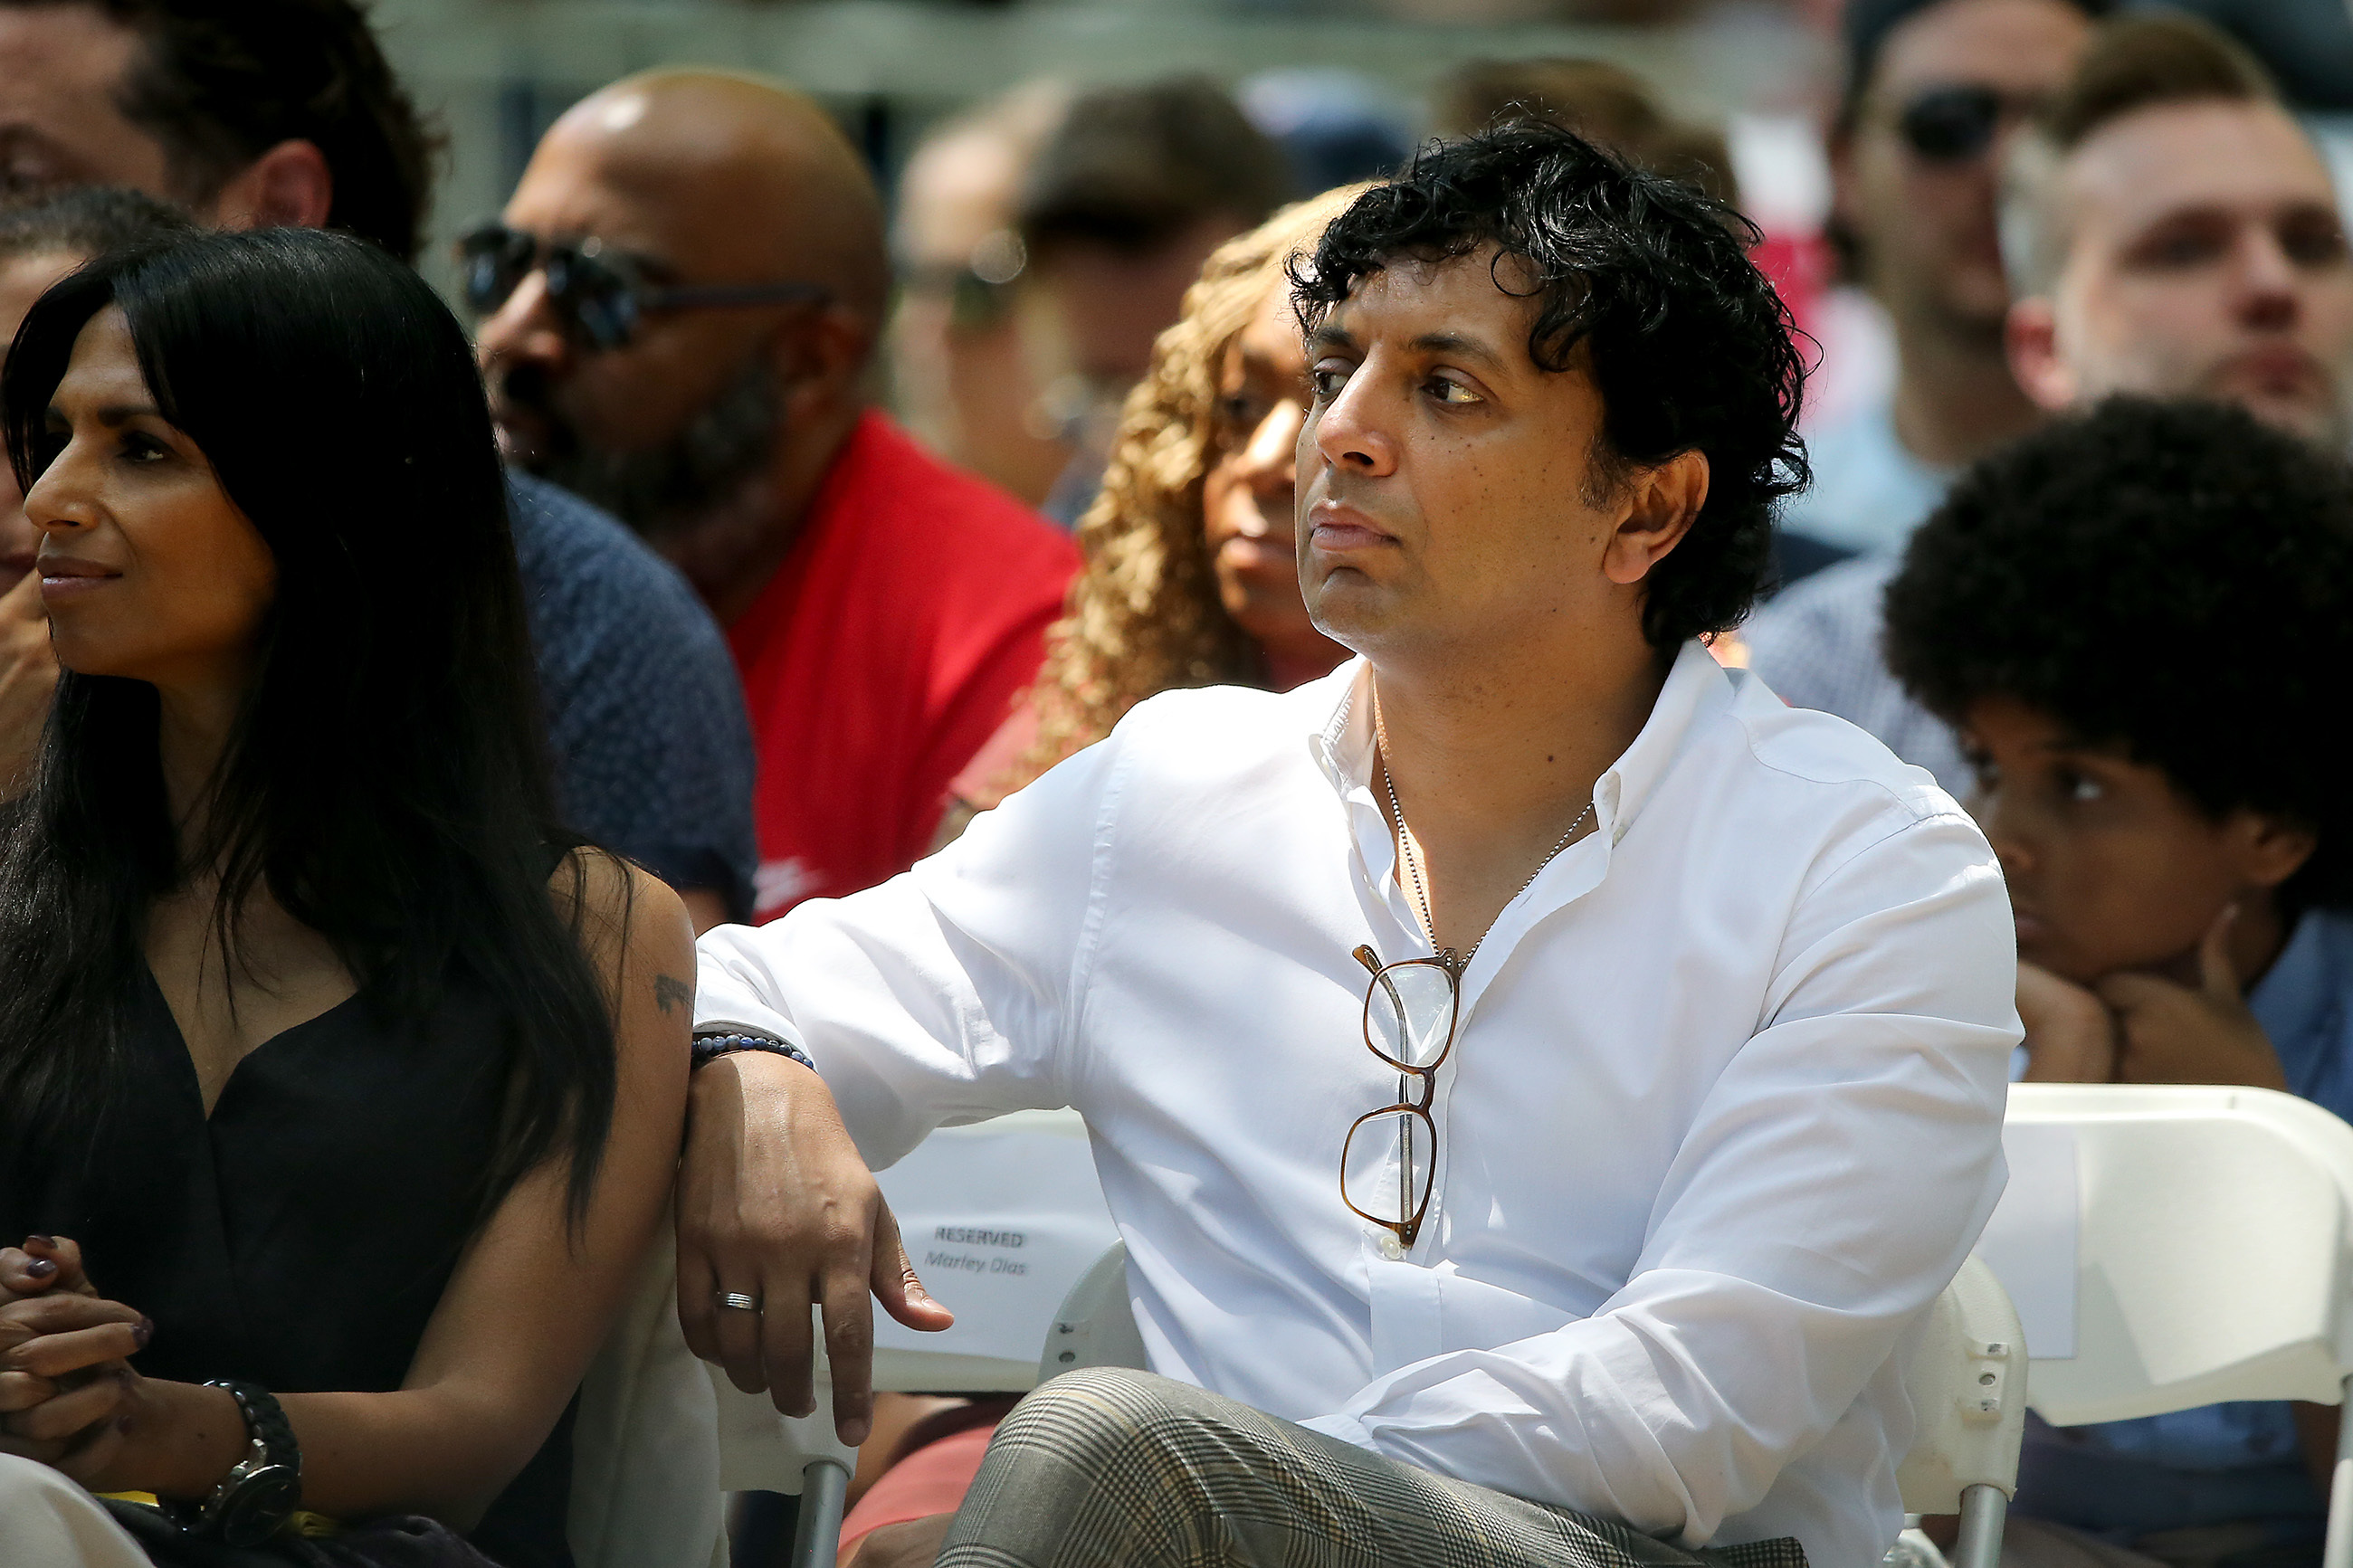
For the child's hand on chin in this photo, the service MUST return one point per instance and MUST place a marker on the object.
(2070, 1035)
(2179, 1034)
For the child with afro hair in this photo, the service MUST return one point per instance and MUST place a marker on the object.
(2140, 622)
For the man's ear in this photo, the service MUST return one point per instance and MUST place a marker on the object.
(1662, 503)
(290, 186)
(821, 359)
(2267, 850)
(2030, 336)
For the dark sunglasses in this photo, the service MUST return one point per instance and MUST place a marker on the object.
(598, 292)
(1955, 124)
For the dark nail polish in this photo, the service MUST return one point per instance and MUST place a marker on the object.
(40, 1243)
(40, 1269)
(145, 1332)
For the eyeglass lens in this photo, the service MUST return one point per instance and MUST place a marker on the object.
(1409, 1014)
(1951, 124)
(1386, 1166)
(589, 295)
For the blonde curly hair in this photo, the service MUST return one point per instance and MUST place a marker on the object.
(1144, 616)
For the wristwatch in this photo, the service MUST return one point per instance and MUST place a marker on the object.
(262, 1490)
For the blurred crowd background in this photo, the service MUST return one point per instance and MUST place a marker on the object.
(954, 103)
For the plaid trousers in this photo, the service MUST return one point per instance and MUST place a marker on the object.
(1111, 1468)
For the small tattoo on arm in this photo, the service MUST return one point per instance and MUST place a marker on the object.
(668, 989)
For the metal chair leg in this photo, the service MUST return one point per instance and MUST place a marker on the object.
(1984, 1510)
(2339, 1551)
(816, 1540)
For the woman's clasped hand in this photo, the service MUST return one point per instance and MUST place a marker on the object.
(68, 1392)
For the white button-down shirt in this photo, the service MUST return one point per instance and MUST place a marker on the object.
(1722, 1117)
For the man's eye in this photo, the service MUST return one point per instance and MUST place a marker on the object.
(1327, 383)
(2313, 242)
(1450, 390)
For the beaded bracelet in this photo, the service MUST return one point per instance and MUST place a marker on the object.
(710, 1047)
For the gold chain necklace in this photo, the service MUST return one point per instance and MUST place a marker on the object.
(1413, 861)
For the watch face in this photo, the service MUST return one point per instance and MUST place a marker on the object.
(259, 1503)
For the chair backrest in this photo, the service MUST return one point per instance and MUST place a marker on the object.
(1966, 1380)
(2211, 1258)
(1095, 1325)
(645, 1442)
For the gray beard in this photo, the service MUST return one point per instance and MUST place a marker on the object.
(665, 492)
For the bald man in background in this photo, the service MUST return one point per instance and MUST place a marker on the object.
(884, 608)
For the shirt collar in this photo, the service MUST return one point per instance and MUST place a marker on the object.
(1342, 743)
(2299, 1001)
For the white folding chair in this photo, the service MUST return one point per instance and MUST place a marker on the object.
(760, 1450)
(1966, 1380)
(645, 1441)
(2211, 1257)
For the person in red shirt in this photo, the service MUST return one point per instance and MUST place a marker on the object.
(681, 301)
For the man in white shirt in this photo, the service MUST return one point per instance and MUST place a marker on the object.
(1618, 1263)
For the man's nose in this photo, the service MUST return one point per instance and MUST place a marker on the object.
(1352, 432)
(2268, 285)
(526, 330)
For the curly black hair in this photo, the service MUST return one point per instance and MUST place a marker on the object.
(1687, 343)
(2173, 579)
(221, 82)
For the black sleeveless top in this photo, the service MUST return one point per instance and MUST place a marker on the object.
(300, 1237)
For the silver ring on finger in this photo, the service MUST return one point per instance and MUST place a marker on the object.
(737, 1301)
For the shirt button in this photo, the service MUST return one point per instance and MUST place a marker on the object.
(1392, 1249)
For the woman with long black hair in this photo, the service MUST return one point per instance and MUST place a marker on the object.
(339, 1088)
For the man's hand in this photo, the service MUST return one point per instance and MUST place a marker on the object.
(2174, 1034)
(28, 678)
(2071, 1037)
(911, 1543)
(774, 1203)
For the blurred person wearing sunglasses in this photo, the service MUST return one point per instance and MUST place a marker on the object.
(285, 113)
(1540, 1076)
(681, 305)
(960, 375)
(1935, 88)
(2171, 232)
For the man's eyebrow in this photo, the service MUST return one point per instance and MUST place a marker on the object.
(1327, 336)
(1454, 345)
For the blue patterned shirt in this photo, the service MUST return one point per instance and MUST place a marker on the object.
(645, 715)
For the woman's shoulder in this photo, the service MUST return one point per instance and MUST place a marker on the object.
(616, 904)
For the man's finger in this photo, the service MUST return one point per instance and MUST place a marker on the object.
(785, 1352)
(848, 1312)
(896, 1284)
(737, 1331)
(2214, 965)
